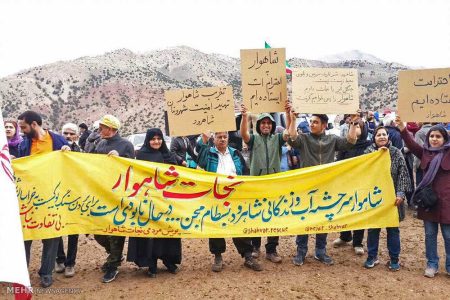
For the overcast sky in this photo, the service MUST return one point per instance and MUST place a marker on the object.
(412, 32)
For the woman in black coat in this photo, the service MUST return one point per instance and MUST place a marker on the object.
(146, 251)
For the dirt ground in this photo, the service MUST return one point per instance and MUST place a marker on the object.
(346, 279)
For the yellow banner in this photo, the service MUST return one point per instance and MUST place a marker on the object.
(69, 193)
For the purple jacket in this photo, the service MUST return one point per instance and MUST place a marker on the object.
(441, 183)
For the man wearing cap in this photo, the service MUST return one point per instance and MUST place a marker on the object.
(112, 144)
(317, 148)
(265, 159)
(38, 141)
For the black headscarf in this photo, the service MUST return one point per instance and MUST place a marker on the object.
(162, 155)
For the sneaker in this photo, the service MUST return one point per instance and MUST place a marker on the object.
(218, 264)
(104, 267)
(339, 242)
(324, 259)
(110, 275)
(431, 272)
(359, 250)
(251, 263)
(273, 257)
(46, 282)
(59, 267)
(371, 262)
(69, 271)
(256, 252)
(393, 265)
(298, 260)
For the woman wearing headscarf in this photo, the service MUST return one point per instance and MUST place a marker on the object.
(13, 137)
(146, 251)
(402, 185)
(435, 163)
(358, 149)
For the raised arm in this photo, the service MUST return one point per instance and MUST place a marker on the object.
(412, 145)
(244, 124)
(351, 136)
(292, 116)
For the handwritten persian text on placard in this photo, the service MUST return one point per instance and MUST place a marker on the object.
(193, 111)
(263, 74)
(423, 95)
(320, 90)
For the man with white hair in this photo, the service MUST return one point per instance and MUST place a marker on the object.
(65, 263)
(225, 160)
(70, 133)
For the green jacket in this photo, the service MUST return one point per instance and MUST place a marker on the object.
(266, 153)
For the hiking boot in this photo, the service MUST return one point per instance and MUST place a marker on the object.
(393, 265)
(339, 242)
(359, 250)
(253, 264)
(46, 282)
(298, 260)
(256, 253)
(69, 271)
(325, 259)
(110, 275)
(59, 267)
(371, 262)
(431, 272)
(273, 257)
(218, 263)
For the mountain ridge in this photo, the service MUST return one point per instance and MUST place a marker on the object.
(131, 85)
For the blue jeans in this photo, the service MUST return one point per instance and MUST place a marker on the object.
(393, 243)
(431, 232)
(321, 244)
(72, 247)
(49, 250)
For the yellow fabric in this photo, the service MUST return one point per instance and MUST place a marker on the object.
(43, 145)
(69, 193)
(110, 121)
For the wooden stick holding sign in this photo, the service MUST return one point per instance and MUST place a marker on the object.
(192, 111)
(263, 74)
(424, 95)
(322, 90)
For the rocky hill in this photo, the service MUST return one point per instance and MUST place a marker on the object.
(131, 86)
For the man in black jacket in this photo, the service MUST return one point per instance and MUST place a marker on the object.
(114, 145)
(84, 134)
(180, 146)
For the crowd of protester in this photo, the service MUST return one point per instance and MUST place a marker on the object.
(420, 165)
